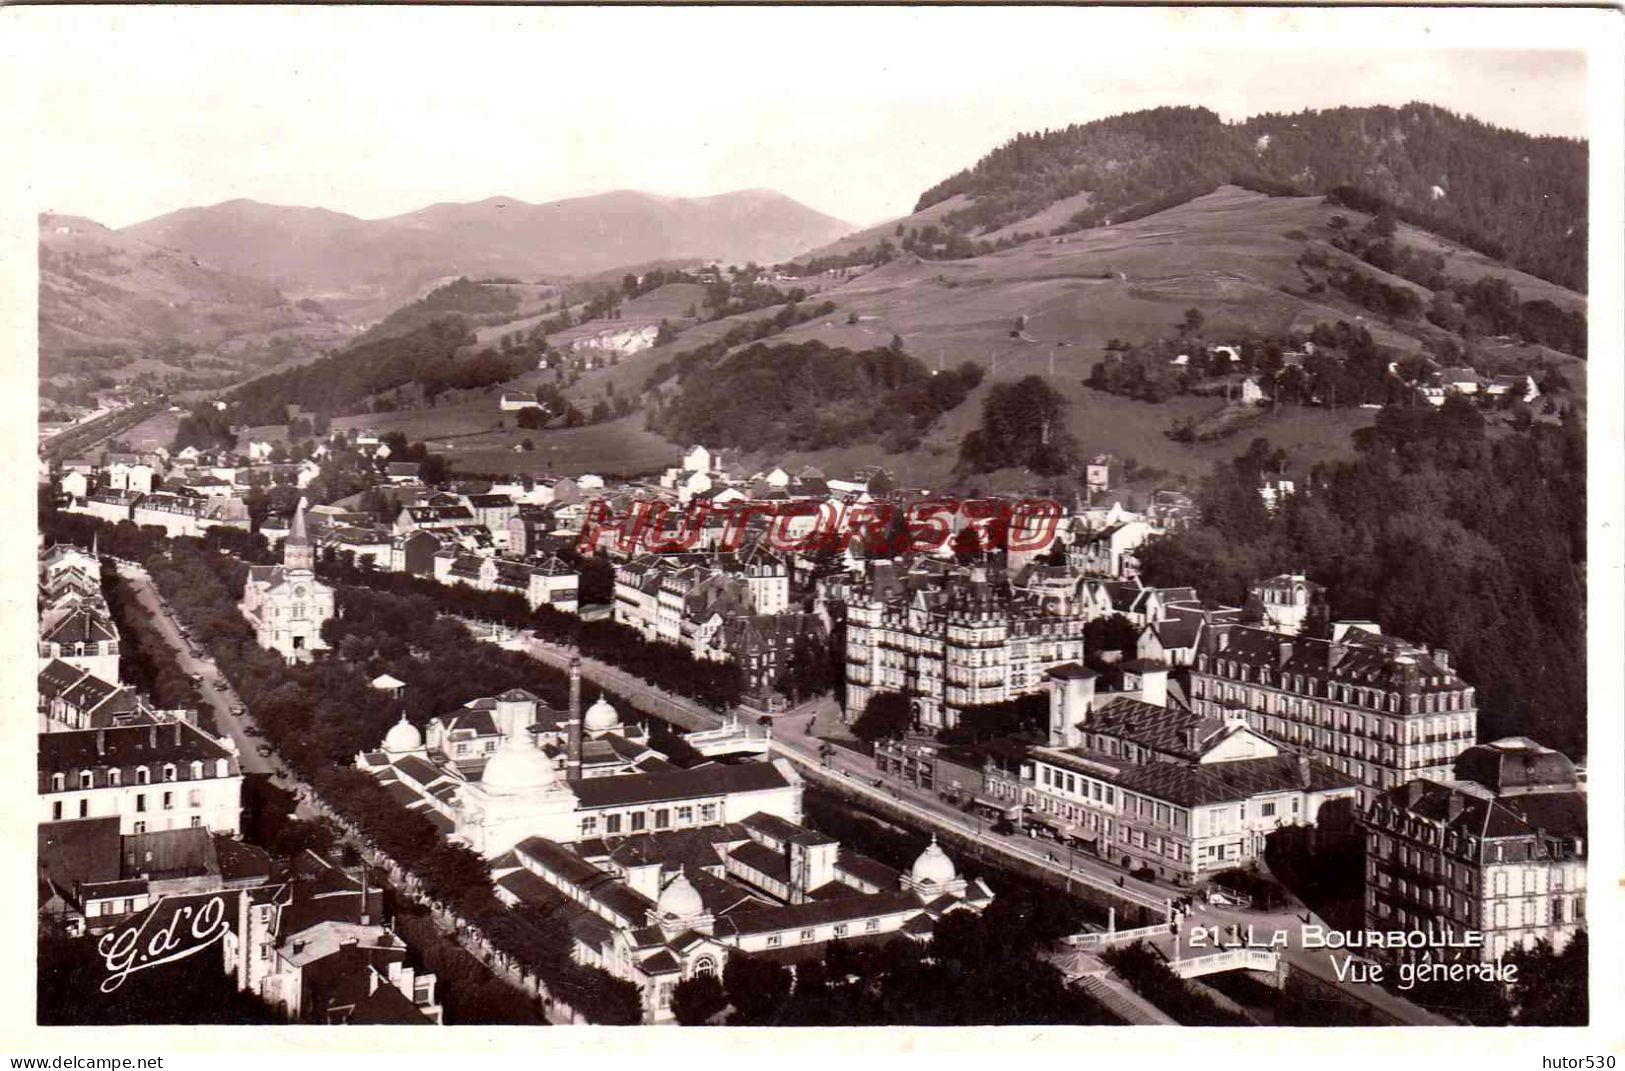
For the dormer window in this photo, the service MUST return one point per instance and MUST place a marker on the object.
(143, 776)
(115, 777)
(87, 779)
(196, 771)
(169, 771)
(59, 782)
(222, 768)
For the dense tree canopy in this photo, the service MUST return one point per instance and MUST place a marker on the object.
(807, 396)
(1023, 426)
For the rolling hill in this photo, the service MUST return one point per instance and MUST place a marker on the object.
(104, 290)
(1232, 254)
(1512, 196)
(372, 266)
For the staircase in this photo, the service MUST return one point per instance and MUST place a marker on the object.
(1123, 1002)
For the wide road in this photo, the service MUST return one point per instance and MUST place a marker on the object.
(220, 700)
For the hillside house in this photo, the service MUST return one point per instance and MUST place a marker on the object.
(402, 471)
(512, 401)
(1102, 473)
(1520, 387)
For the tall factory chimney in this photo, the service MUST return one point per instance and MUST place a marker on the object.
(572, 767)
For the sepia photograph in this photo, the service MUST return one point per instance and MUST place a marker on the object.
(1061, 518)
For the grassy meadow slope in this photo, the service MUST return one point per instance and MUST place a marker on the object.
(1231, 254)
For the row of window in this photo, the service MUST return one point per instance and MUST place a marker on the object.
(114, 777)
(610, 825)
(810, 935)
(1371, 698)
(194, 799)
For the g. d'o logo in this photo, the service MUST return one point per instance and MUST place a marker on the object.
(172, 929)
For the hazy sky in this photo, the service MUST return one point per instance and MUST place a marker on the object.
(854, 112)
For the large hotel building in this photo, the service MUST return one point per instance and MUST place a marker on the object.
(1377, 708)
(950, 643)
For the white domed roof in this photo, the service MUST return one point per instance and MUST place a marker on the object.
(517, 767)
(680, 899)
(933, 866)
(403, 736)
(601, 717)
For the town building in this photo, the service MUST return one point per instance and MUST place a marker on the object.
(1499, 850)
(151, 777)
(93, 878)
(317, 949)
(1154, 786)
(1109, 552)
(950, 642)
(1378, 708)
(286, 604)
(1286, 602)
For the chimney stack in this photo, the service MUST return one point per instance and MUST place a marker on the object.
(1442, 657)
(1453, 810)
(1304, 778)
(101, 741)
(572, 765)
(1413, 792)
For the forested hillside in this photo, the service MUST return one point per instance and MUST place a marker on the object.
(339, 383)
(811, 396)
(1510, 195)
(479, 301)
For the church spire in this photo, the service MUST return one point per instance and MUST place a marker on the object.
(297, 553)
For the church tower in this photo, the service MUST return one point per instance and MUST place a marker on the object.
(297, 550)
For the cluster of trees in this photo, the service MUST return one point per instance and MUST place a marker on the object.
(469, 993)
(478, 301)
(144, 659)
(1487, 305)
(1490, 306)
(1393, 302)
(206, 428)
(744, 295)
(808, 396)
(665, 665)
(1346, 368)
(1445, 535)
(715, 684)
(1153, 151)
(686, 362)
(862, 257)
(1023, 426)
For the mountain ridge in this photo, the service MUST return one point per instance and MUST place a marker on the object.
(375, 264)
